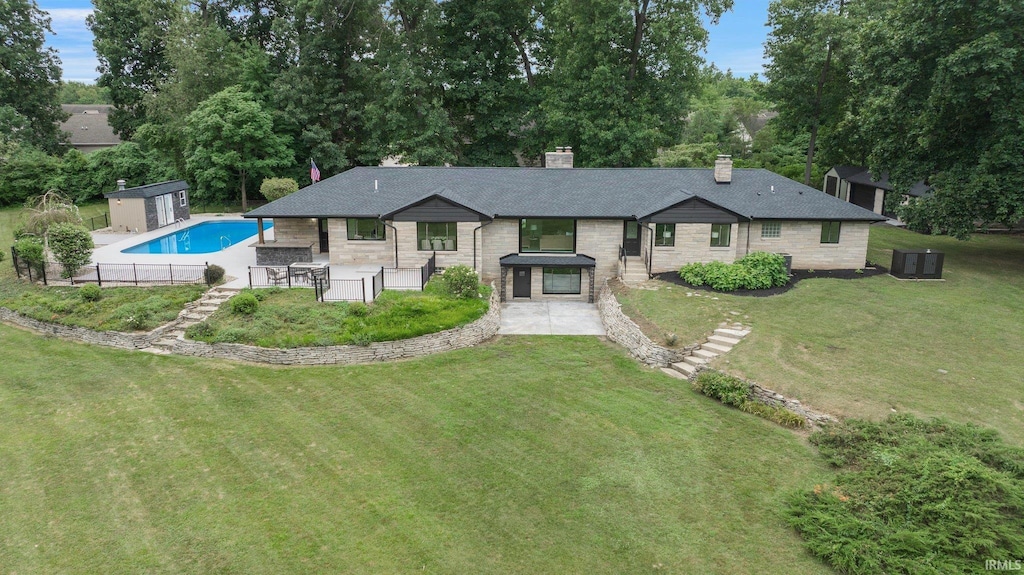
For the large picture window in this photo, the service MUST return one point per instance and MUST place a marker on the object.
(720, 235)
(830, 232)
(365, 229)
(664, 234)
(437, 236)
(562, 280)
(536, 235)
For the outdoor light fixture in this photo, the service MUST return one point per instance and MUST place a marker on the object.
(119, 201)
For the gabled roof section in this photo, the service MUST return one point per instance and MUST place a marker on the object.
(862, 175)
(443, 195)
(150, 190)
(689, 200)
(88, 125)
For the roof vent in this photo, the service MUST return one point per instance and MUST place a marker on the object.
(560, 158)
(723, 169)
(120, 185)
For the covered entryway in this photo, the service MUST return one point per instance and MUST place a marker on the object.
(547, 277)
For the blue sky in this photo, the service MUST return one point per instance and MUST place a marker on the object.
(736, 42)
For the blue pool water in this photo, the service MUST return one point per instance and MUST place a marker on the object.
(204, 238)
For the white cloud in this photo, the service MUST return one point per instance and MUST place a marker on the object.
(64, 16)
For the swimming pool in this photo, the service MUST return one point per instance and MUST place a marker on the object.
(204, 238)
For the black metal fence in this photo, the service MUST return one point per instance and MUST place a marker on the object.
(97, 222)
(365, 289)
(51, 273)
(341, 290)
(286, 276)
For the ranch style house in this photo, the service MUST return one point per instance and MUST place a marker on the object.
(557, 232)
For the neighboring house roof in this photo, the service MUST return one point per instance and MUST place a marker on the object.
(149, 190)
(587, 193)
(862, 175)
(88, 125)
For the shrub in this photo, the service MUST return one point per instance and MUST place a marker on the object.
(757, 270)
(244, 304)
(213, 274)
(277, 188)
(779, 415)
(725, 388)
(72, 246)
(30, 250)
(362, 339)
(2, 255)
(461, 282)
(90, 292)
(200, 331)
(134, 316)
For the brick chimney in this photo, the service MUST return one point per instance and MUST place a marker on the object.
(723, 169)
(120, 185)
(560, 158)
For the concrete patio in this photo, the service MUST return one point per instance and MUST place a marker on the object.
(550, 318)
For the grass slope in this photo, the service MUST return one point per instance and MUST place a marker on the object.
(527, 455)
(866, 347)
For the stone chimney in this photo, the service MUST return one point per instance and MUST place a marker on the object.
(560, 158)
(120, 185)
(723, 169)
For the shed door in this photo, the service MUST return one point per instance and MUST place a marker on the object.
(164, 209)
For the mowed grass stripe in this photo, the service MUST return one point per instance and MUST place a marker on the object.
(524, 455)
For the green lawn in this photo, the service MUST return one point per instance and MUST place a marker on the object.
(526, 455)
(869, 346)
(11, 217)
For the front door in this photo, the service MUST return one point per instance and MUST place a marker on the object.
(520, 282)
(631, 238)
(324, 243)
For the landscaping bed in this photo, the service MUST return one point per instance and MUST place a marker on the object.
(795, 277)
(128, 309)
(289, 318)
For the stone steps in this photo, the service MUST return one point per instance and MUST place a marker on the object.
(720, 342)
(198, 312)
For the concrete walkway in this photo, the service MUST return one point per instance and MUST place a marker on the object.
(550, 318)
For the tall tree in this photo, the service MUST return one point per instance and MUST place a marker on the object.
(808, 65)
(130, 38)
(30, 84)
(489, 51)
(942, 94)
(230, 141)
(622, 72)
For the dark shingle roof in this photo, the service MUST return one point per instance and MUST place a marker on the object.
(88, 125)
(149, 190)
(576, 261)
(618, 193)
(862, 175)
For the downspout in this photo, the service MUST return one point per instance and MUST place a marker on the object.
(750, 221)
(489, 222)
(650, 250)
(381, 220)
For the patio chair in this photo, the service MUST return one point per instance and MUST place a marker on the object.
(277, 275)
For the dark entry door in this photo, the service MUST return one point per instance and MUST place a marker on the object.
(521, 282)
(631, 238)
(325, 244)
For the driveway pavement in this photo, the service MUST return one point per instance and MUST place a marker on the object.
(550, 318)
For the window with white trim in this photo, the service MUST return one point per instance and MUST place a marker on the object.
(182, 198)
(720, 235)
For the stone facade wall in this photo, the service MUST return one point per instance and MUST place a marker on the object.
(466, 336)
(802, 239)
(627, 333)
(600, 239)
(116, 339)
(359, 252)
(411, 256)
(693, 244)
(301, 230)
(500, 238)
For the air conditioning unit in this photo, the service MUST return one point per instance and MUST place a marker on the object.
(917, 264)
(789, 263)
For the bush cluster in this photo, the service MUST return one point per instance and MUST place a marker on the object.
(90, 292)
(277, 188)
(757, 270)
(736, 392)
(72, 246)
(913, 496)
(461, 282)
(213, 274)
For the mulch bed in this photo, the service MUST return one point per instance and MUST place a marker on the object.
(794, 278)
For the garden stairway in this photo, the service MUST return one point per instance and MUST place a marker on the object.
(203, 308)
(718, 343)
(635, 272)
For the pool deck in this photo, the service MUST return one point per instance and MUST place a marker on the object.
(235, 260)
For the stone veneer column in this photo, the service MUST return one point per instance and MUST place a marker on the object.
(590, 297)
(504, 276)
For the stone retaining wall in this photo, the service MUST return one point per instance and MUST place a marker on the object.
(769, 397)
(116, 339)
(625, 332)
(466, 336)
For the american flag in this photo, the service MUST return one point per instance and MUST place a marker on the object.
(314, 172)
